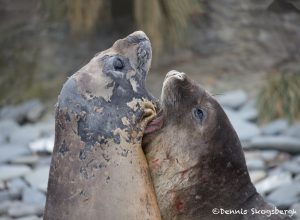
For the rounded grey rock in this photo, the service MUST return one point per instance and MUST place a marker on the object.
(38, 178)
(281, 143)
(33, 196)
(285, 196)
(273, 182)
(275, 127)
(233, 99)
(19, 209)
(11, 151)
(8, 172)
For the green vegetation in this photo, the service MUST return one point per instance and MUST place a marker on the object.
(280, 97)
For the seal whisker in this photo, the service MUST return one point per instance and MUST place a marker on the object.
(216, 94)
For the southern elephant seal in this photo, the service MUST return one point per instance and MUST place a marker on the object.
(196, 160)
(98, 169)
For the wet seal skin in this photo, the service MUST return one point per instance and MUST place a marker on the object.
(196, 159)
(98, 169)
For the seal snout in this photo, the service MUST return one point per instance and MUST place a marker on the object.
(171, 77)
(136, 37)
(176, 74)
(144, 51)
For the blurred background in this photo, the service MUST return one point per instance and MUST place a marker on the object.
(246, 53)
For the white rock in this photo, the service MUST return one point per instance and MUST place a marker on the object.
(25, 134)
(255, 164)
(10, 151)
(269, 155)
(47, 128)
(35, 113)
(273, 181)
(291, 166)
(275, 171)
(42, 145)
(19, 209)
(296, 206)
(252, 154)
(4, 207)
(7, 127)
(44, 161)
(5, 218)
(233, 99)
(39, 178)
(31, 217)
(248, 114)
(257, 175)
(281, 143)
(12, 113)
(33, 196)
(25, 159)
(30, 110)
(2, 185)
(275, 127)
(293, 131)
(5, 195)
(245, 130)
(12, 171)
(285, 195)
(16, 185)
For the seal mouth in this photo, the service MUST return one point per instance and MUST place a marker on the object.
(155, 124)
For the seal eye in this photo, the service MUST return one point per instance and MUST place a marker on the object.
(118, 64)
(199, 114)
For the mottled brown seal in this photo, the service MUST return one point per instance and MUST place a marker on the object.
(98, 169)
(195, 157)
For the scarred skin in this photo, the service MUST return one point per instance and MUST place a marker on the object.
(98, 169)
(196, 159)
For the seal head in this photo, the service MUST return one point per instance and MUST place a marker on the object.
(195, 156)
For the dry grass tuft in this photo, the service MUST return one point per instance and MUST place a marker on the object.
(280, 97)
(82, 15)
(165, 21)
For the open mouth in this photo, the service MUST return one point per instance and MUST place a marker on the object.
(155, 124)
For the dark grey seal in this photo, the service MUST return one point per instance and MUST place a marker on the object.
(196, 160)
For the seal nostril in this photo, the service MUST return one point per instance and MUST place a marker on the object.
(118, 64)
(172, 73)
(135, 39)
(176, 74)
